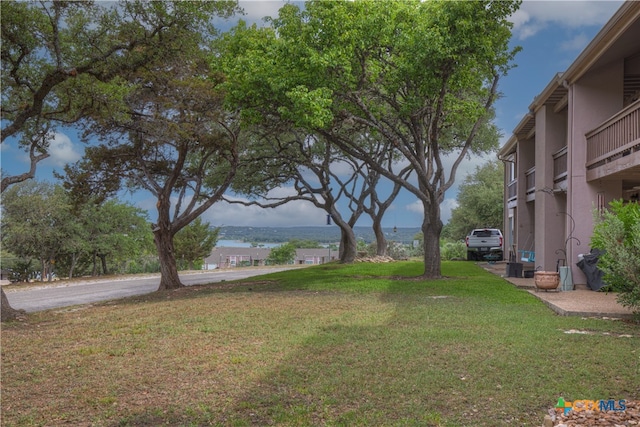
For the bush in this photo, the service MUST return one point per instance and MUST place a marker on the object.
(20, 270)
(285, 254)
(397, 250)
(450, 250)
(617, 232)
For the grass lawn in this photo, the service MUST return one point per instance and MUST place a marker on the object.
(362, 344)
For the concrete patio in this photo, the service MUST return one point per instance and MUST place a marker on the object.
(579, 302)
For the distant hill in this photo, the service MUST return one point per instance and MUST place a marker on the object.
(326, 234)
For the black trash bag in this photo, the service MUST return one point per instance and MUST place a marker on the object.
(589, 266)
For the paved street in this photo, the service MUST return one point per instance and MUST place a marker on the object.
(61, 294)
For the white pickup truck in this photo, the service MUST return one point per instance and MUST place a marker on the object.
(485, 243)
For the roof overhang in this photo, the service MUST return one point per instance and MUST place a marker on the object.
(508, 148)
(614, 29)
(555, 94)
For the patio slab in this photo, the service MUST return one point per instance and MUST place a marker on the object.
(579, 302)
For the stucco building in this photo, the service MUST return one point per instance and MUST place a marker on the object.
(226, 257)
(576, 150)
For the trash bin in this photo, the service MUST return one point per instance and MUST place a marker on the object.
(514, 269)
(588, 265)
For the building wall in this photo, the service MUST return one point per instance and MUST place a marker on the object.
(524, 212)
(551, 135)
(225, 257)
(594, 84)
(593, 99)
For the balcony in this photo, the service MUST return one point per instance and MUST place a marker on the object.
(613, 140)
(530, 182)
(560, 165)
(512, 190)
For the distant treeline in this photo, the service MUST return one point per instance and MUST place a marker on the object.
(326, 234)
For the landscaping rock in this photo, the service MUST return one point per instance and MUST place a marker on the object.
(375, 259)
(630, 417)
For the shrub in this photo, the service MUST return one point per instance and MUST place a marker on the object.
(397, 250)
(285, 254)
(452, 250)
(617, 232)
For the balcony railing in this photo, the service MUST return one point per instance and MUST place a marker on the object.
(530, 182)
(560, 165)
(614, 138)
(512, 190)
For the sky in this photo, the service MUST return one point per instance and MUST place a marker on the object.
(551, 34)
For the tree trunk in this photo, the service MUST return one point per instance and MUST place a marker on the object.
(74, 260)
(103, 261)
(381, 240)
(43, 269)
(431, 229)
(169, 278)
(94, 271)
(7, 312)
(348, 245)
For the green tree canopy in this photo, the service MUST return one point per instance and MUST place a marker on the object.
(195, 241)
(35, 222)
(480, 201)
(116, 232)
(67, 61)
(284, 254)
(175, 141)
(39, 222)
(421, 75)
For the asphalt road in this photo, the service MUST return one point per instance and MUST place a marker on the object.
(61, 294)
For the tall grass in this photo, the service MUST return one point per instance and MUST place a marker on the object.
(363, 344)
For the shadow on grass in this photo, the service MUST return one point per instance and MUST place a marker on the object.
(469, 349)
(415, 363)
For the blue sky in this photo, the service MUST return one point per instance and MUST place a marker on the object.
(551, 33)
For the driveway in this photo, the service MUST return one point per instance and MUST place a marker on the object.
(63, 294)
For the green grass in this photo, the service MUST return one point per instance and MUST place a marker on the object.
(363, 344)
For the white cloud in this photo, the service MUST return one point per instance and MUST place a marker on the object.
(445, 209)
(535, 16)
(62, 151)
(342, 169)
(256, 10)
(295, 213)
(576, 43)
(523, 27)
(5, 146)
(415, 207)
(469, 165)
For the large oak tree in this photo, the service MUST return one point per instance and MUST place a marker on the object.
(175, 142)
(64, 61)
(423, 75)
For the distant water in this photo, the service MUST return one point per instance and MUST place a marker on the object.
(241, 244)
